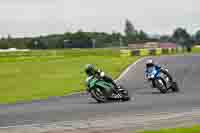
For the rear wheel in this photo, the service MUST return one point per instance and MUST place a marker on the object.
(125, 94)
(174, 87)
(126, 98)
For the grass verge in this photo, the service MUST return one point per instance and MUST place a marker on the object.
(194, 129)
(27, 78)
(196, 50)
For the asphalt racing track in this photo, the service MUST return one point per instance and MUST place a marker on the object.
(147, 104)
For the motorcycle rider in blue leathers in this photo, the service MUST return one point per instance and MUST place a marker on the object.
(149, 66)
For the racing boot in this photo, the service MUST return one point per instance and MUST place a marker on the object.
(117, 87)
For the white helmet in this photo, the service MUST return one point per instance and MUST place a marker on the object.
(149, 63)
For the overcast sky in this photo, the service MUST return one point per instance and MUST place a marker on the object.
(35, 17)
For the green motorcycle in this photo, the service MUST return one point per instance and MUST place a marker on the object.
(103, 91)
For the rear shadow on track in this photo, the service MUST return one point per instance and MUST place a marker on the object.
(157, 93)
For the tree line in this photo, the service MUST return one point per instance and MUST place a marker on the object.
(81, 39)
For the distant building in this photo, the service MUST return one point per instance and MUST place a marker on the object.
(135, 46)
(168, 45)
(148, 45)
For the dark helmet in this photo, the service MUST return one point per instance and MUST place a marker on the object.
(89, 69)
(149, 63)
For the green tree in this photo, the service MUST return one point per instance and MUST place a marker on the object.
(5, 44)
(142, 35)
(130, 31)
(165, 38)
(129, 28)
(182, 37)
(197, 36)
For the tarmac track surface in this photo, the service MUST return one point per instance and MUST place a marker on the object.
(145, 100)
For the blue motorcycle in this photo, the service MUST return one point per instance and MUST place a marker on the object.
(161, 79)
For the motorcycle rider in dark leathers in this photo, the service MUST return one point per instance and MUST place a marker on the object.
(90, 71)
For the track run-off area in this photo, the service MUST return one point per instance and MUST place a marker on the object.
(147, 109)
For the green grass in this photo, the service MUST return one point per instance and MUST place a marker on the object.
(31, 77)
(38, 74)
(194, 129)
(196, 50)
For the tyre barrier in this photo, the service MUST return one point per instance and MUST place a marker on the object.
(152, 51)
(165, 51)
(144, 52)
(173, 51)
(135, 52)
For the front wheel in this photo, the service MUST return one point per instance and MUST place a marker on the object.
(99, 95)
(167, 77)
(161, 85)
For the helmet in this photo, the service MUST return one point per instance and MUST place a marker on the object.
(89, 69)
(149, 63)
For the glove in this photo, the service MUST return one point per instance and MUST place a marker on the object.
(102, 74)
